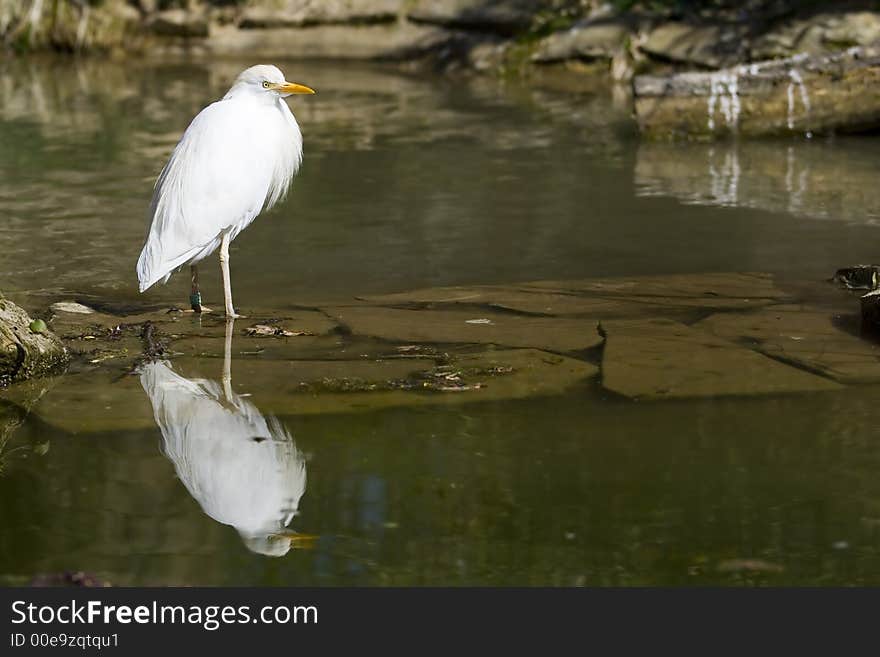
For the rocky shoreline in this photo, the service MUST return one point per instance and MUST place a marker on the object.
(640, 47)
(621, 38)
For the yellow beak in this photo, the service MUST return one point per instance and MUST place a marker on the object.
(294, 88)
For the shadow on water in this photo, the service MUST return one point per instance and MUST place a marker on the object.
(242, 467)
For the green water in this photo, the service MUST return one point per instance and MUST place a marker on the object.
(414, 181)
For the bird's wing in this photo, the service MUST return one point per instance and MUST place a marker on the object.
(218, 177)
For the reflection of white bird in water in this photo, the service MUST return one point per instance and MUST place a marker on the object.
(237, 156)
(243, 468)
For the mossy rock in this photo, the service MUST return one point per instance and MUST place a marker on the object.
(817, 94)
(27, 348)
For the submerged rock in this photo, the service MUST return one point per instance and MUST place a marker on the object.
(637, 296)
(662, 359)
(458, 326)
(727, 290)
(305, 387)
(461, 344)
(27, 348)
(808, 338)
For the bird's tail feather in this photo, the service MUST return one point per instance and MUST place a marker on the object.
(153, 267)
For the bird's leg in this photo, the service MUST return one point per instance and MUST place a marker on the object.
(195, 298)
(224, 268)
(227, 360)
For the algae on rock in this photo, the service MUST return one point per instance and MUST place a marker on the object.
(26, 353)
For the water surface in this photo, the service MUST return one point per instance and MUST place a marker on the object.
(419, 181)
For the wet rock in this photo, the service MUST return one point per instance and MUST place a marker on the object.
(803, 94)
(120, 341)
(710, 46)
(324, 386)
(802, 336)
(519, 299)
(499, 17)
(307, 387)
(267, 330)
(858, 277)
(98, 339)
(308, 13)
(179, 23)
(311, 376)
(727, 290)
(70, 307)
(662, 359)
(457, 326)
(306, 347)
(669, 295)
(870, 309)
(589, 40)
(25, 352)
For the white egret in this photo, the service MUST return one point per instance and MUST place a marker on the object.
(236, 158)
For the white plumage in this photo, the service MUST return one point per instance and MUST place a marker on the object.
(236, 158)
(243, 469)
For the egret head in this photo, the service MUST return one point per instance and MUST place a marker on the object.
(267, 79)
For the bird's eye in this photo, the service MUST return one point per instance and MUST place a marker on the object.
(265, 84)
